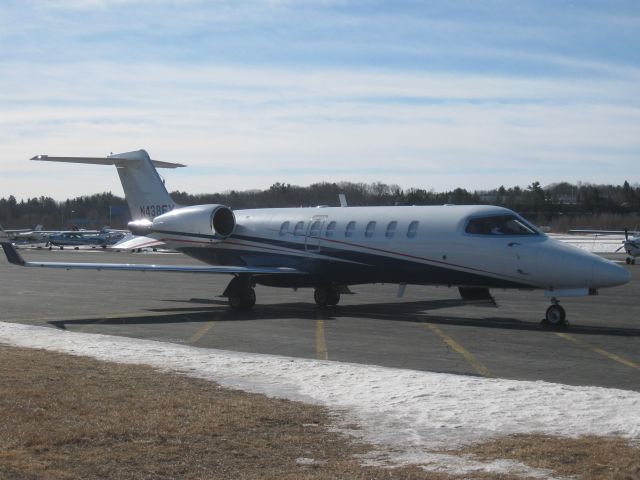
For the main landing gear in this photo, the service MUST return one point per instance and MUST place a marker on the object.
(555, 316)
(244, 301)
(327, 295)
(631, 261)
(240, 293)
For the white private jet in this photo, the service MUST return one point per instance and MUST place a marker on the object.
(474, 248)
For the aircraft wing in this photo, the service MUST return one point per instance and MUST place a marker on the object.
(14, 257)
(600, 232)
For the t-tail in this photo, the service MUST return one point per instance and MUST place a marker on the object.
(143, 188)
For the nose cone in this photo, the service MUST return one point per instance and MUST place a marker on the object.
(608, 274)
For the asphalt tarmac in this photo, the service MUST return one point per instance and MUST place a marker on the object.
(428, 329)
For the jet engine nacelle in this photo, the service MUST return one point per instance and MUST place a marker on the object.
(201, 220)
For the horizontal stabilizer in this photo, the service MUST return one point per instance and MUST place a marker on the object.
(105, 161)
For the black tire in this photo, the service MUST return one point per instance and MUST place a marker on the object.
(243, 302)
(334, 297)
(249, 300)
(555, 316)
(628, 261)
(321, 296)
(235, 302)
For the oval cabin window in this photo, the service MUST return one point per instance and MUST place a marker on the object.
(351, 226)
(371, 228)
(314, 231)
(412, 231)
(331, 229)
(391, 229)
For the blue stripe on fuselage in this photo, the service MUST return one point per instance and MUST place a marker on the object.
(343, 265)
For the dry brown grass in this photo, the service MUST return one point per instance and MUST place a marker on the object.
(589, 458)
(64, 417)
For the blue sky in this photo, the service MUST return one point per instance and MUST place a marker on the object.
(431, 94)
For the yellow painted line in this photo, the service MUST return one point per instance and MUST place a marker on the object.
(321, 344)
(609, 355)
(456, 347)
(203, 330)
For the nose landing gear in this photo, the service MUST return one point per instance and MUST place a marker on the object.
(555, 316)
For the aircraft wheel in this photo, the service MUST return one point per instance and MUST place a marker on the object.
(243, 302)
(320, 295)
(61, 247)
(326, 296)
(628, 261)
(555, 316)
(334, 297)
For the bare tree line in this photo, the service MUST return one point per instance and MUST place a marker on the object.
(560, 206)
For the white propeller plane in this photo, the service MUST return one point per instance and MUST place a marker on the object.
(474, 248)
(630, 244)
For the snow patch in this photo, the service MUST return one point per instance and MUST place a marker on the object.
(408, 414)
(596, 243)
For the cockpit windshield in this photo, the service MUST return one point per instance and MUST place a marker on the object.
(499, 225)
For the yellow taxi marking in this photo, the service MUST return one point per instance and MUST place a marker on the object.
(456, 347)
(203, 330)
(609, 355)
(321, 344)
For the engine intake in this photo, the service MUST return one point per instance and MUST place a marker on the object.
(223, 221)
(206, 221)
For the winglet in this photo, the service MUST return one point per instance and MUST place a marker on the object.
(12, 254)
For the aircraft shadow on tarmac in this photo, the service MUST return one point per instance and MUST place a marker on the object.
(206, 310)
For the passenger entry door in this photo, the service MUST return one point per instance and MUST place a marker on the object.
(314, 232)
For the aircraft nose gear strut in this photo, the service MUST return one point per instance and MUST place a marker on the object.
(555, 316)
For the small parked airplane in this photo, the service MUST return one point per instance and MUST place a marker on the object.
(25, 235)
(472, 247)
(93, 238)
(630, 244)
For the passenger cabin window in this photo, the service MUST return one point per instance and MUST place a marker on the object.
(284, 229)
(351, 226)
(413, 229)
(298, 231)
(331, 229)
(391, 229)
(371, 228)
(314, 231)
(499, 225)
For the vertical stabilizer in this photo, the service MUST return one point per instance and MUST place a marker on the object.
(143, 188)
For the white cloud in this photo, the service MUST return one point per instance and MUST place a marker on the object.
(440, 130)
